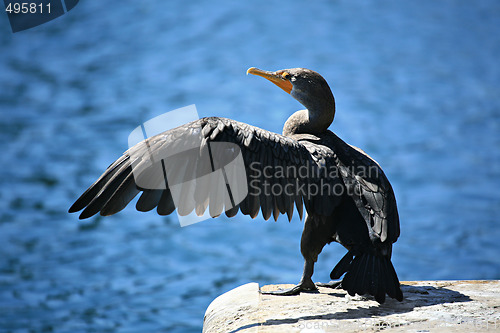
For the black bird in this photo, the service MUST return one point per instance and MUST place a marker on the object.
(348, 198)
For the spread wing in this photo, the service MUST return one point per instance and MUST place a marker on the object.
(370, 189)
(186, 168)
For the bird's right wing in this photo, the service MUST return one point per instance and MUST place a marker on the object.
(370, 189)
(186, 168)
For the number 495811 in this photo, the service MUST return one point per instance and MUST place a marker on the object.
(27, 8)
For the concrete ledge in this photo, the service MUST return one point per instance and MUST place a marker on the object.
(429, 306)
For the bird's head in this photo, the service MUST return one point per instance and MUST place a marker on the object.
(306, 86)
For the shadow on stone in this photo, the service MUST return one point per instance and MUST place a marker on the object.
(414, 297)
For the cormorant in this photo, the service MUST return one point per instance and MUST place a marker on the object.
(347, 196)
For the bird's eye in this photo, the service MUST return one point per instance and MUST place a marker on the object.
(285, 75)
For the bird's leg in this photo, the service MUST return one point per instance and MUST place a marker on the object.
(315, 235)
(305, 285)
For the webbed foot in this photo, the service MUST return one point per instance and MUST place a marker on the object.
(303, 286)
(337, 284)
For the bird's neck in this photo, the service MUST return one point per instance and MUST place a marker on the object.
(313, 120)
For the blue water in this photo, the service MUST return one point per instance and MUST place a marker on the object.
(417, 86)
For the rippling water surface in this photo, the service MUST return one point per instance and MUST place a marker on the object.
(417, 87)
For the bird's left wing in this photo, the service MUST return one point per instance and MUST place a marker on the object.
(186, 168)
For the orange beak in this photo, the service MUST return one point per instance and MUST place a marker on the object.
(275, 78)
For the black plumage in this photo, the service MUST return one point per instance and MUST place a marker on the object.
(358, 210)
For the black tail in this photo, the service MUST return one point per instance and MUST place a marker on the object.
(368, 274)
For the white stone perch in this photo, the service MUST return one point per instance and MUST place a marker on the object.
(428, 306)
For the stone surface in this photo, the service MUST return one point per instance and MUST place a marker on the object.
(428, 306)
